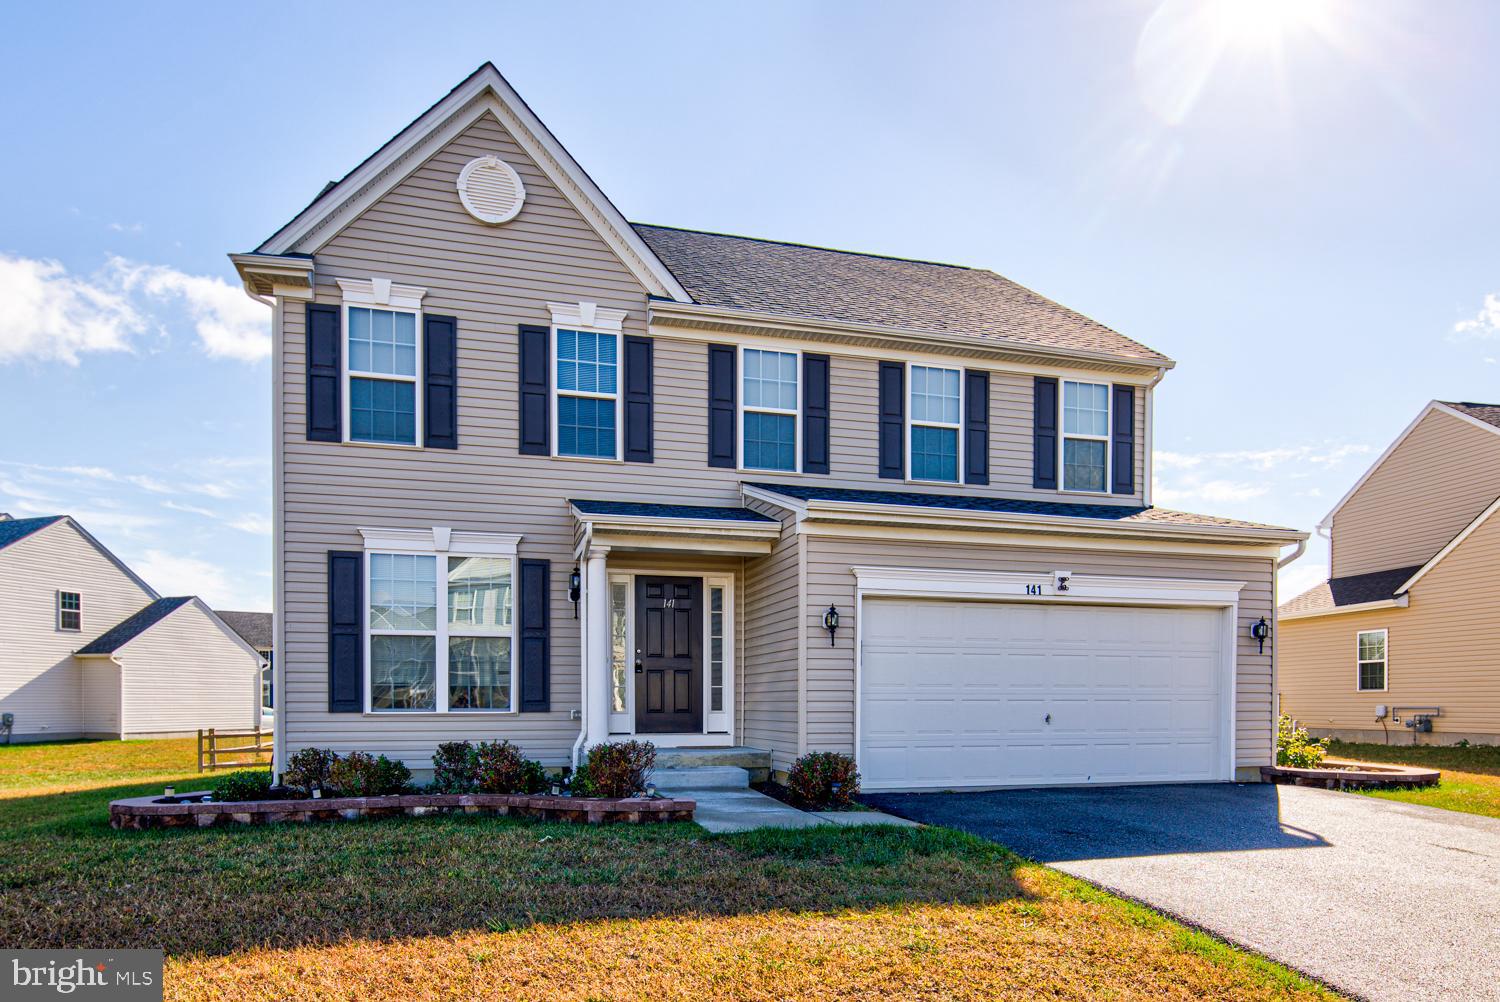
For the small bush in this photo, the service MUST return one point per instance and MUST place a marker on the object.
(501, 768)
(245, 784)
(578, 781)
(308, 768)
(618, 769)
(358, 774)
(455, 768)
(1295, 748)
(823, 781)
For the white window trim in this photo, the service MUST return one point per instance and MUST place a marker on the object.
(441, 543)
(381, 294)
(1385, 662)
(58, 607)
(1106, 438)
(958, 465)
(588, 318)
(740, 408)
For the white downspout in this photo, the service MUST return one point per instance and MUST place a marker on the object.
(583, 652)
(1301, 549)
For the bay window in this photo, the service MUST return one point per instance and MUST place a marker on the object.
(768, 418)
(933, 435)
(1085, 438)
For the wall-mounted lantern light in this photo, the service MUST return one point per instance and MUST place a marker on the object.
(574, 590)
(831, 623)
(1259, 632)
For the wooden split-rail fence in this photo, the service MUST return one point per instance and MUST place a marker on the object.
(233, 749)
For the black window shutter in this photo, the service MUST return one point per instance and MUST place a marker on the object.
(536, 391)
(1044, 434)
(440, 381)
(325, 412)
(536, 642)
(1122, 442)
(639, 382)
(892, 421)
(722, 448)
(346, 617)
(976, 427)
(815, 412)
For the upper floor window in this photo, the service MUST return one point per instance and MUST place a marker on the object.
(769, 414)
(1085, 438)
(383, 384)
(588, 394)
(935, 410)
(69, 610)
(1371, 657)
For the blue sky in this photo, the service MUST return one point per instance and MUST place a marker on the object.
(1294, 201)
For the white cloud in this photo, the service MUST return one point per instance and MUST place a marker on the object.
(1261, 459)
(1193, 490)
(1297, 577)
(252, 523)
(54, 316)
(1485, 323)
(191, 509)
(175, 575)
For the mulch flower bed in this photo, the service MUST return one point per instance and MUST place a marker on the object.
(190, 810)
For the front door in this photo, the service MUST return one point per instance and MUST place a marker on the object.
(668, 655)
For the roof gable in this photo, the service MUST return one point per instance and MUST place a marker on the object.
(484, 91)
(1421, 572)
(127, 630)
(13, 530)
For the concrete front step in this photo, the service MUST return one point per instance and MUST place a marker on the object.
(757, 761)
(705, 777)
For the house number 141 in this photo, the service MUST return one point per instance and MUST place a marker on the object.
(1035, 589)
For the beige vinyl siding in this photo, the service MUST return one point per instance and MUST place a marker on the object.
(1433, 484)
(185, 673)
(1443, 650)
(40, 681)
(493, 279)
(769, 672)
(830, 670)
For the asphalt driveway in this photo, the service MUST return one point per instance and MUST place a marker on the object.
(1382, 900)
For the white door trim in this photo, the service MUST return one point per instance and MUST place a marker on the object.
(1058, 587)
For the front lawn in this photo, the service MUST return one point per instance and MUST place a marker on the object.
(1471, 776)
(437, 908)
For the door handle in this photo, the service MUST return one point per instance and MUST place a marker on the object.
(639, 668)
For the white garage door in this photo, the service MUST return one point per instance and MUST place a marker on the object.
(974, 694)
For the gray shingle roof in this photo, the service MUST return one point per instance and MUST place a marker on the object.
(254, 628)
(118, 636)
(704, 512)
(816, 283)
(15, 529)
(1353, 589)
(1488, 413)
(1119, 514)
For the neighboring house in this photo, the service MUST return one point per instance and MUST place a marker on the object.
(545, 475)
(254, 629)
(88, 649)
(1408, 620)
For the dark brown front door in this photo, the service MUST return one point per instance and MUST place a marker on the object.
(669, 655)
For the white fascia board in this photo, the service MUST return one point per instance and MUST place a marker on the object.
(1453, 544)
(1399, 602)
(485, 91)
(797, 508)
(688, 311)
(1091, 589)
(273, 275)
(648, 522)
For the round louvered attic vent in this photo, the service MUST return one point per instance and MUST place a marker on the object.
(491, 190)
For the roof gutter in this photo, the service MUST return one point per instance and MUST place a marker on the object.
(1399, 602)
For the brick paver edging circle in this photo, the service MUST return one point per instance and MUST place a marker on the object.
(1362, 775)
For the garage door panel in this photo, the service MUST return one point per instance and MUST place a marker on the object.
(959, 693)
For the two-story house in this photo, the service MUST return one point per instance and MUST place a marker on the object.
(546, 475)
(1404, 631)
(89, 649)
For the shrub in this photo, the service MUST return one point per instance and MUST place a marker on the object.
(455, 768)
(245, 784)
(1294, 748)
(358, 774)
(501, 768)
(823, 781)
(308, 768)
(617, 769)
(578, 781)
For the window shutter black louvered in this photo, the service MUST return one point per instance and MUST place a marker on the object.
(440, 381)
(1044, 434)
(815, 414)
(639, 393)
(535, 632)
(346, 580)
(535, 391)
(976, 427)
(722, 448)
(325, 412)
(892, 421)
(1122, 441)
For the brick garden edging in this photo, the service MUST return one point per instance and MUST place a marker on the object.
(1362, 775)
(150, 812)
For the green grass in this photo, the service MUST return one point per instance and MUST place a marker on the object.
(443, 907)
(1471, 776)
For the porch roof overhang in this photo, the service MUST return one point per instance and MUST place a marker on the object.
(636, 525)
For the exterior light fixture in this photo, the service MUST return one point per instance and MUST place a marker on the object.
(831, 623)
(575, 589)
(1259, 632)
